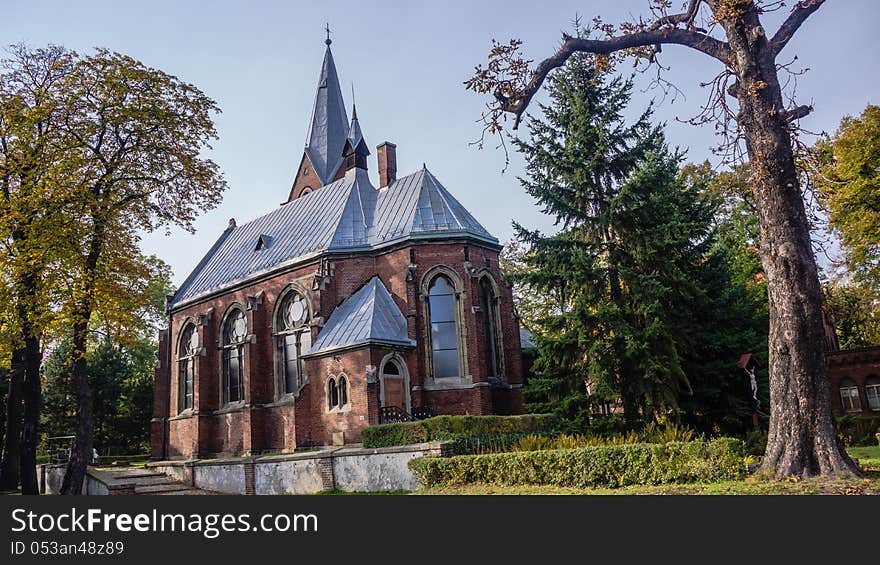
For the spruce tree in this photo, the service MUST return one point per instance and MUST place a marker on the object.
(632, 239)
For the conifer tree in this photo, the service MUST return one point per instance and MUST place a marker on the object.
(624, 263)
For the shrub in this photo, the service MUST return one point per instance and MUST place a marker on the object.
(857, 430)
(651, 434)
(756, 442)
(596, 466)
(463, 431)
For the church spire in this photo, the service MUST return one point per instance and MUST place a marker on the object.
(328, 129)
(355, 135)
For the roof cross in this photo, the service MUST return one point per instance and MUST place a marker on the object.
(328, 41)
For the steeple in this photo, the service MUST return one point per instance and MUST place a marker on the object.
(355, 135)
(328, 129)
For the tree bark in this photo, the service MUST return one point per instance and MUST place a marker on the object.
(81, 453)
(30, 435)
(10, 464)
(22, 407)
(803, 440)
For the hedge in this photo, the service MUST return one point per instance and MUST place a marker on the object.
(858, 431)
(463, 430)
(601, 466)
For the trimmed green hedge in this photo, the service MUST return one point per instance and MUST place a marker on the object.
(464, 430)
(601, 466)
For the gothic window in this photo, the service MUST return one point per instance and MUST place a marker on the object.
(234, 334)
(294, 339)
(872, 390)
(489, 312)
(343, 391)
(849, 396)
(337, 393)
(187, 350)
(332, 394)
(444, 328)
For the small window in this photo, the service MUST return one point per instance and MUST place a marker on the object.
(343, 392)
(332, 394)
(872, 391)
(849, 396)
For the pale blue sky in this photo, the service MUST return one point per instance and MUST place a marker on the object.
(260, 61)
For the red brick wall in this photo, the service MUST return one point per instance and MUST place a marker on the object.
(265, 423)
(856, 365)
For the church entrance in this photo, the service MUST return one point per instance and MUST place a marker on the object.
(394, 385)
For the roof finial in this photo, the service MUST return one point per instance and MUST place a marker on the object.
(328, 41)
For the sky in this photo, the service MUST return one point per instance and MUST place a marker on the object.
(407, 61)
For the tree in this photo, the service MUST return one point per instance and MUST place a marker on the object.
(849, 181)
(802, 439)
(138, 135)
(122, 350)
(632, 241)
(33, 182)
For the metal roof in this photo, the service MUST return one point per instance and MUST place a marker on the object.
(370, 315)
(328, 128)
(355, 135)
(344, 216)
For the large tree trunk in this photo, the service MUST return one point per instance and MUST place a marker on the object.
(10, 464)
(81, 453)
(20, 443)
(30, 436)
(803, 440)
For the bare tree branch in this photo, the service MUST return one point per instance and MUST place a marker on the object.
(802, 11)
(798, 112)
(675, 19)
(671, 36)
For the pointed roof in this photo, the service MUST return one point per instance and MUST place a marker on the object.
(328, 128)
(370, 315)
(348, 215)
(355, 135)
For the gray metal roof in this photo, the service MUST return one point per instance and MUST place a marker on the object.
(328, 128)
(347, 215)
(355, 135)
(370, 315)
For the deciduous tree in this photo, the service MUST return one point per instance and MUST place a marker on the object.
(747, 103)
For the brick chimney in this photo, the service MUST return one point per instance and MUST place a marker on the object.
(387, 154)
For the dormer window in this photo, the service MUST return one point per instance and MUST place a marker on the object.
(263, 242)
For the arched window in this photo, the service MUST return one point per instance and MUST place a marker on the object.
(234, 335)
(294, 337)
(343, 391)
(849, 396)
(332, 394)
(187, 349)
(444, 328)
(490, 330)
(872, 391)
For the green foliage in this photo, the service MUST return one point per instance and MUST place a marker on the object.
(856, 430)
(634, 301)
(122, 381)
(652, 433)
(471, 432)
(756, 442)
(854, 311)
(599, 466)
(849, 182)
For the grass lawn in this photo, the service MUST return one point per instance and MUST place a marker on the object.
(869, 458)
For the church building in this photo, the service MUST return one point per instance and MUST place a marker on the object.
(349, 305)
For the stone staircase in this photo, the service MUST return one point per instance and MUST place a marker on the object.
(140, 481)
